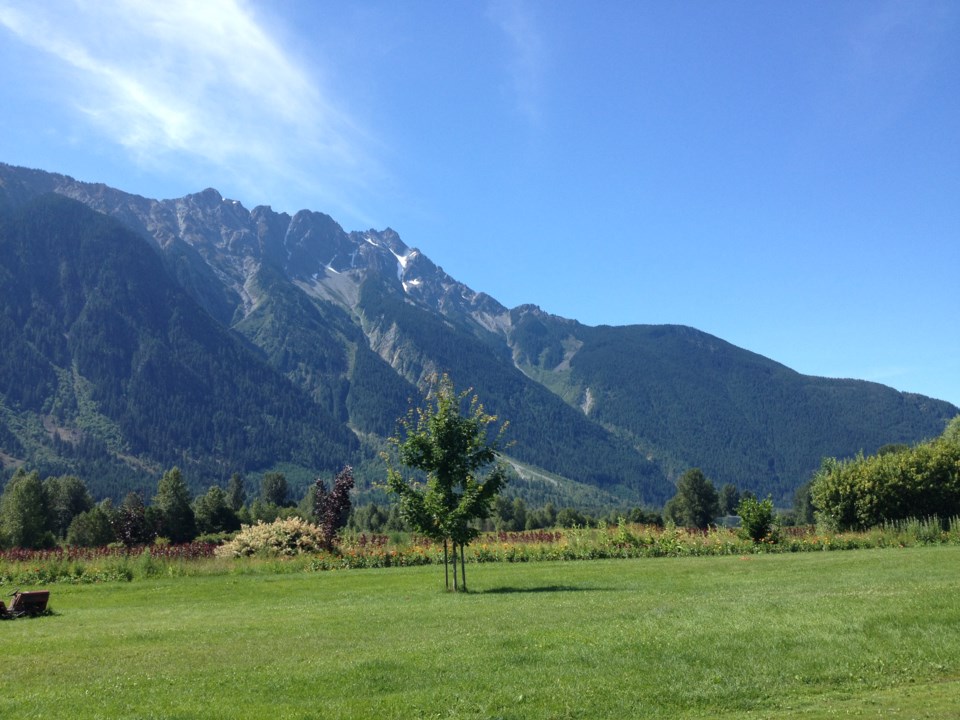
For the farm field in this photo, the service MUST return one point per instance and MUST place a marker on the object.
(867, 633)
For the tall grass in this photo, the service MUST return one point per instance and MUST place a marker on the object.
(923, 531)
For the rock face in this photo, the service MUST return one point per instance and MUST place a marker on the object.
(359, 320)
(310, 247)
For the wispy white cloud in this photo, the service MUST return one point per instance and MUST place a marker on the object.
(527, 58)
(202, 81)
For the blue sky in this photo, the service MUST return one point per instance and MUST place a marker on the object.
(784, 175)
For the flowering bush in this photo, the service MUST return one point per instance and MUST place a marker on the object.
(280, 538)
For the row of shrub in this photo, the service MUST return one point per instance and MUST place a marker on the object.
(897, 483)
(290, 546)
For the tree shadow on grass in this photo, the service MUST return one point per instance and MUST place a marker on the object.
(539, 589)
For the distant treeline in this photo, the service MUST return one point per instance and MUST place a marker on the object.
(897, 483)
(43, 513)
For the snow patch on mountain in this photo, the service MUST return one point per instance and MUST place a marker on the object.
(402, 262)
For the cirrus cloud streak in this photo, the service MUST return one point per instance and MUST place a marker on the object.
(203, 80)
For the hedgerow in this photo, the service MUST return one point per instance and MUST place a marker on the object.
(294, 546)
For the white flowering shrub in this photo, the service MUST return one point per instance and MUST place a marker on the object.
(291, 536)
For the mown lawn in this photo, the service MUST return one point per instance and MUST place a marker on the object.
(818, 635)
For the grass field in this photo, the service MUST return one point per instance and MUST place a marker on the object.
(871, 633)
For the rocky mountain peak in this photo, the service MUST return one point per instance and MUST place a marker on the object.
(209, 197)
(355, 320)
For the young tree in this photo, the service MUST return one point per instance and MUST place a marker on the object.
(451, 447)
(172, 501)
(332, 508)
(696, 503)
(756, 518)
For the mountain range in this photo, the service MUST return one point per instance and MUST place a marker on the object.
(136, 334)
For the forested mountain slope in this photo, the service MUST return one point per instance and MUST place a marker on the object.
(105, 361)
(313, 340)
(739, 416)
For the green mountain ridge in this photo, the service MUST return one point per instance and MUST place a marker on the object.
(676, 387)
(138, 333)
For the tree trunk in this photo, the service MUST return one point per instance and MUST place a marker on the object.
(446, 566)
(463, 568)
(456, 586)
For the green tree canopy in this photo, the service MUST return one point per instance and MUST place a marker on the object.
(236, 492)
(24, 513)
(729, 499)
(172, 501)
(67, 497)
(214, 513)
(757, 518)
(448, 443)
(803, 505)
(921, 481)
(696, 503)
(952, 433)
(274, 489)
(93, 528)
